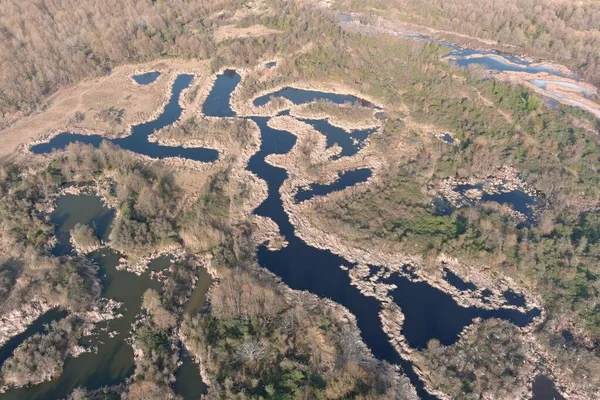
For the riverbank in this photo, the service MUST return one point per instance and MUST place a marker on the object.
(76, 108)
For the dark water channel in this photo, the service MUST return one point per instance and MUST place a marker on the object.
(303, 96)
(430, 313)
(433, 314)
(38, 326)
(350, 142)
(543, 389)
(138, 142)
(113, 361)
(345, 180)
(146, 78)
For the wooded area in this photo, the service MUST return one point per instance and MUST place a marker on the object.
(562, 31)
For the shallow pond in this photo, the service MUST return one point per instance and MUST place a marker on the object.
(517, 199)
(543, 389)
(500, 62)
(146, 78)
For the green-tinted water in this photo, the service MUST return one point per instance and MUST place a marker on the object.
(113, 361)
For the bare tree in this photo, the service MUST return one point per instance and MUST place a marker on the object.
(251, 350)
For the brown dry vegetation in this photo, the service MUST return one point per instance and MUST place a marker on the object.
(288, 344)
(563, 31)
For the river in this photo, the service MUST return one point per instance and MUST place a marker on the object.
(430, 313)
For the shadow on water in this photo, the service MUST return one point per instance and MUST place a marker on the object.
(146, 78)
(345, 180)
(138, 140)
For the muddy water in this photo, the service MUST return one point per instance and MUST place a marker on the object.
(113, 361)
(188, 383)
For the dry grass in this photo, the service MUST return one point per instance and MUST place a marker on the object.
(231, 32)
(90, 97)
